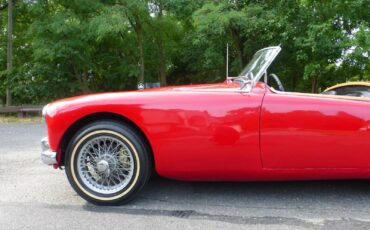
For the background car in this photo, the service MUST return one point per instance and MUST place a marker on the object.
(354, 89)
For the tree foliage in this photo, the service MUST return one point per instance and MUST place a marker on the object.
(71, 47)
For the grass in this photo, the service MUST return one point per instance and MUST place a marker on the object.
(13, 118)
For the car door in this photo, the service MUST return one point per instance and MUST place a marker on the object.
(206, 134)
(302, 131)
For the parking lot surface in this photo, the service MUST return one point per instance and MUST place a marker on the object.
(33, 195)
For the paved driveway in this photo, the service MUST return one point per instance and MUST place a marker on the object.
(36, 196)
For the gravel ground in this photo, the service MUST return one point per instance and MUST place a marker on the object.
(33, 195)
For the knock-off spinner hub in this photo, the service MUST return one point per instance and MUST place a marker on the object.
(102, 165)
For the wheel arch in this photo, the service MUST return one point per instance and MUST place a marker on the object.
(81, 122)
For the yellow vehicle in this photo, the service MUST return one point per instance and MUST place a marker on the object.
(354, 89)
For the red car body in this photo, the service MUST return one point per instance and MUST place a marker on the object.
(217, 132)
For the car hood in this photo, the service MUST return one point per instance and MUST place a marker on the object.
(185, 88)
(136, 96)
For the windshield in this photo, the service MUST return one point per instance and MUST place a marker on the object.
(260, 62)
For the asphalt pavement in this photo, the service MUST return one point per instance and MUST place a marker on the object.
(35, 196)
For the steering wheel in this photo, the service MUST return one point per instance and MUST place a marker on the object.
(277, 80)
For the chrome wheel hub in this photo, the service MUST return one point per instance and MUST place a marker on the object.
(102, 166)
(105, 164)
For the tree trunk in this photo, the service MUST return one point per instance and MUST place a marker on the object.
(162, 53)
(135, 21)
(240, 57)
(85, 82)
(313, 84)
(9, 51)
(239, 48)
(295, 78)
(140, 41)
(162, 65)
(82, 79)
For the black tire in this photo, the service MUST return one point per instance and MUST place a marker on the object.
(141, 158)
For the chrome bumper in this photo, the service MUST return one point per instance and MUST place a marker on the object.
(47, 156)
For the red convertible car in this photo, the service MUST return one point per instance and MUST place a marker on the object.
(238, 130)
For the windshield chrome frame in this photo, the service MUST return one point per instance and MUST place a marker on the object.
(263, 70)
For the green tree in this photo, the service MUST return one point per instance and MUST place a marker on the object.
(70, 47)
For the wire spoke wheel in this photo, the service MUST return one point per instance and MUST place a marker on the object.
(105, 164)
(108, 162)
